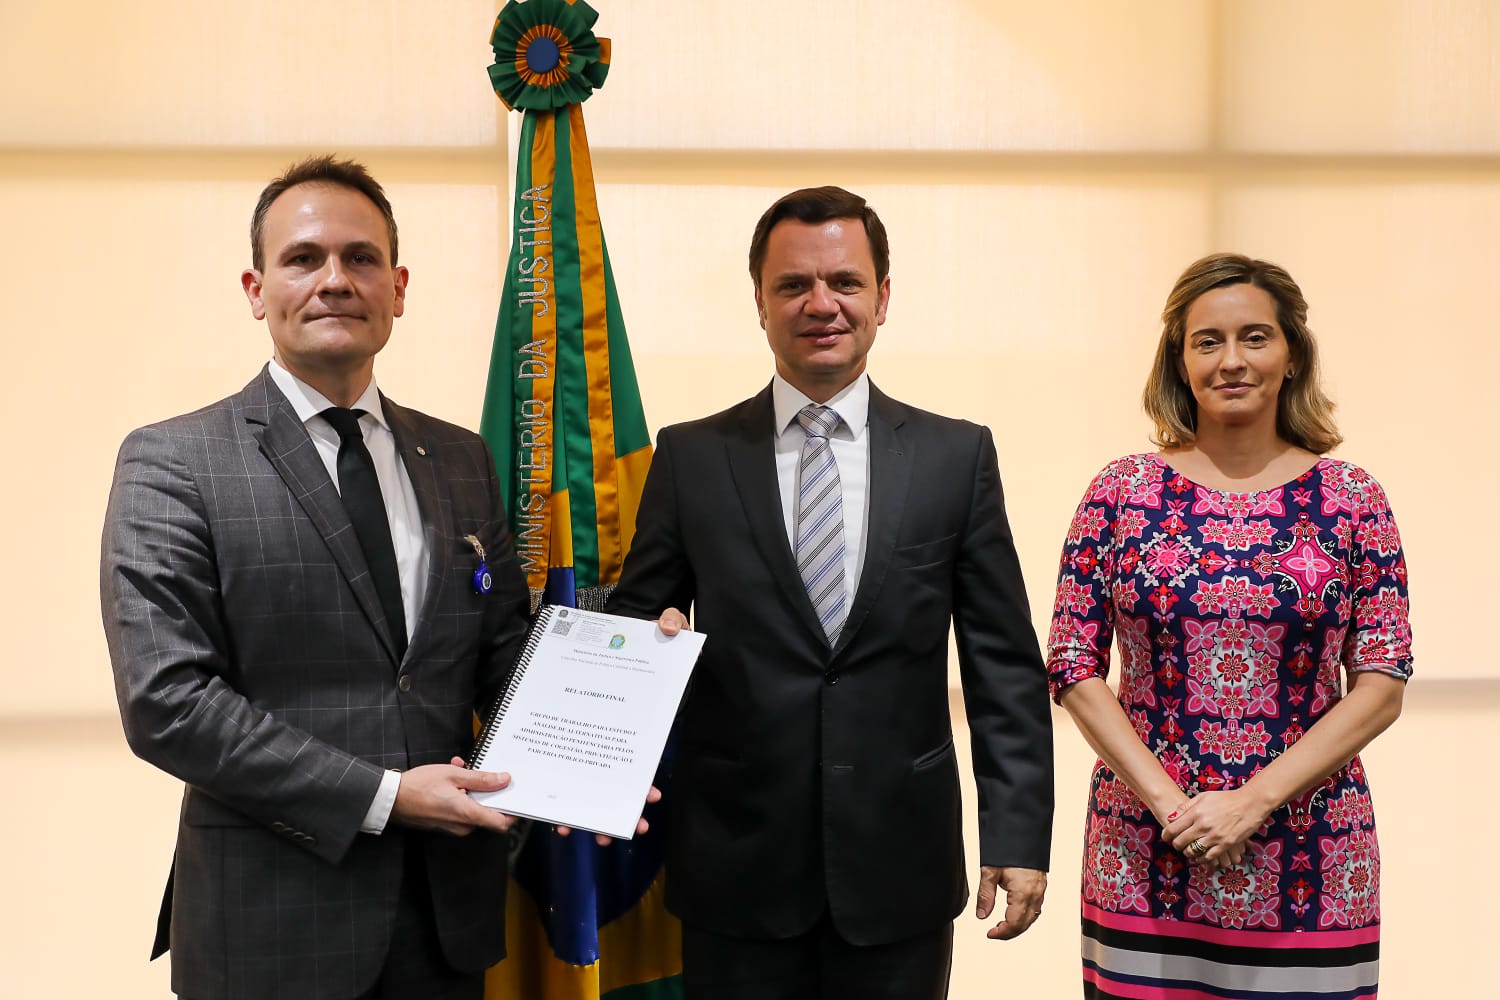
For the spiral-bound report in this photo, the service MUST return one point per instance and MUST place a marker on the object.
(581, 725)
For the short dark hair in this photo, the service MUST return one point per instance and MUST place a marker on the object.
(821, 204)
(327, 169)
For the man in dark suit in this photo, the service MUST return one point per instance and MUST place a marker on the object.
(825, 535)
(297, 630)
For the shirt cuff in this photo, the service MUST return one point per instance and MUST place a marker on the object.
(379, 812)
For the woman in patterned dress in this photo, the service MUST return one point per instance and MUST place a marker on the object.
(1230, 848)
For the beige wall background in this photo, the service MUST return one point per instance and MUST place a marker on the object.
(1045, 171)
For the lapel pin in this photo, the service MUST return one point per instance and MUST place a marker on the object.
(423, 452)
(483, 582)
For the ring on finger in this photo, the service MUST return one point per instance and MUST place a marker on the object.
(1197, 848)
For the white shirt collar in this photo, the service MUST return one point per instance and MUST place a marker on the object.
(852, 403)
(309, 402)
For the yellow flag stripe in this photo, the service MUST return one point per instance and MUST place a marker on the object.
(596, 349)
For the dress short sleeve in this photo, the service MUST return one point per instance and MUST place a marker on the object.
(1379, 636)
(1082, 627)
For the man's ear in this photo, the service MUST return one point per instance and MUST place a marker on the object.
(402, 276)
(760, 307)
(250, 281)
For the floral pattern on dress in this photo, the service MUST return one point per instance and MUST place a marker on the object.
(1237, 617)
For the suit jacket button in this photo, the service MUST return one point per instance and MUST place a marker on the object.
(832, 677)
(404, 683)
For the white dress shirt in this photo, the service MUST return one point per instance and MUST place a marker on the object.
(401, 513)
(851, 452)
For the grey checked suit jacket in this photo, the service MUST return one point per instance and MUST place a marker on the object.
(253, 661)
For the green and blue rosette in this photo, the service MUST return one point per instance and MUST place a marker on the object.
(546, 55)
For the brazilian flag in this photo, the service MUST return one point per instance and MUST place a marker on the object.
(563, 416)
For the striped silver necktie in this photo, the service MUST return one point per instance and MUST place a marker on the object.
(820, 521)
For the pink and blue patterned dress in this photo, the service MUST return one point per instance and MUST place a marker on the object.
(1236, 617)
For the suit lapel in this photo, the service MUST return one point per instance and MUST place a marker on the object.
(890, 478)
(284, 441)
(435, 507)
(752, 463)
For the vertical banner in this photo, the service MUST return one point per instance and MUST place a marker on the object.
(563, 416)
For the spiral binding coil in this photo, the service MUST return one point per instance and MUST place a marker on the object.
(492, 724)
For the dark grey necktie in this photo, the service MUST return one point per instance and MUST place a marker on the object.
(360, 490)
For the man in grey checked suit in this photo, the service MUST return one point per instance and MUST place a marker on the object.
(326, 845)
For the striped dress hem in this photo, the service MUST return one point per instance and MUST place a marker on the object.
(1139, 958)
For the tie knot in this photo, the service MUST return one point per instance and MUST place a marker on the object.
(818, 421)
(345, 421)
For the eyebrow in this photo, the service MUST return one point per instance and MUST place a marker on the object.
(799, 274)
(359, 246)
(1267, 327)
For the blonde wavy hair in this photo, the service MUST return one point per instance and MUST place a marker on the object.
(1304, 414)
